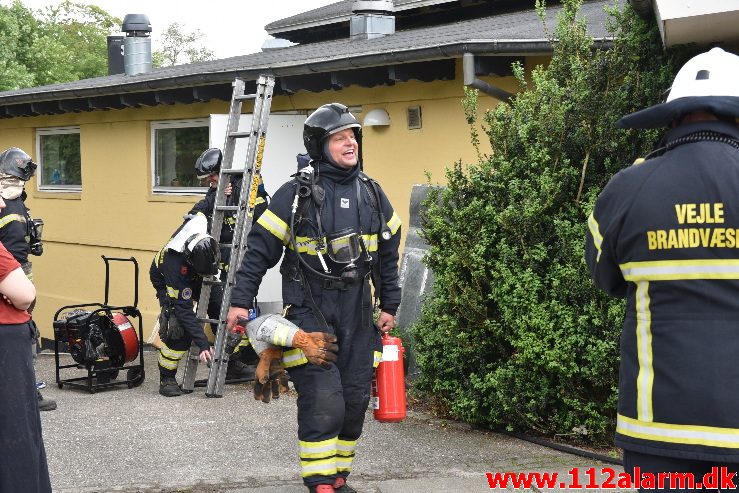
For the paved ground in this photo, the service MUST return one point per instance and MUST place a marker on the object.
(133, 440)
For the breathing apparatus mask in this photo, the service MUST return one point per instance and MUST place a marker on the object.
(344, 248)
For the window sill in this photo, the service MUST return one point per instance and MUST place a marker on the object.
(57, 194)
(184, 197)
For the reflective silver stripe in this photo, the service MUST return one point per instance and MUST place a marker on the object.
(272, 223)
(307, 245)
(308, 449)
(370, 242)
(344, 464)
(676, 270)
(171, 353)
(279, 337)
(172, 292)
(673, 433)
(394, 223)
(325, 467)
(344, 446)
(645, 378)
(595, 232)
(167, 363)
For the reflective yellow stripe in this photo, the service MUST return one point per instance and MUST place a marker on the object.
(688, 434)
(595, 232)
(344, 464)
(318, 450)
(159, 257)
(172, 292)
(377, 359)
(323, 467)
(171, 353)
(645, 379)
(293, 357)
(307, 245)
(346, 447)
(370, 242)
(167, 363)
(680, 270)
(275, 225)
(394, 223)
(10, 218)
(279, 337)
(260, 200)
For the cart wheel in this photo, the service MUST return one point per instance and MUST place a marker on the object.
(114, 374)
(135, 377)
(60, 385)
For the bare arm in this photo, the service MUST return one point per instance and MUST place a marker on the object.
(17, 289)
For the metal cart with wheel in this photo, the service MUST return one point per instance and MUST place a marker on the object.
(101, 339)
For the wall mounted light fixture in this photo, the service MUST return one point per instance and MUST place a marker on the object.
(376, 118)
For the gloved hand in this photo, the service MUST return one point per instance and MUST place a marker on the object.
(270, 375)
(318, 347)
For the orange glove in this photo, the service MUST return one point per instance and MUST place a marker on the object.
(270, 376)
(318, 347)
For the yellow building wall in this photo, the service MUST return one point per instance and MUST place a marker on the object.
(117, 215)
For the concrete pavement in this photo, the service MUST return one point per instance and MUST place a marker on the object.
(134, 440)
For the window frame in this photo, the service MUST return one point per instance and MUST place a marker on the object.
(49, 131)
(171, 124)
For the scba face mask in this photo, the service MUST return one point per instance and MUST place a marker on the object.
(344, 248)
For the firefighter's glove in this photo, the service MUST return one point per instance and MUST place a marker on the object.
(319, 347)
(270, 376)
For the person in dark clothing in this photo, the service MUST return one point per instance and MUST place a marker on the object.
(664, 234)
(177, 273)
(337, 230)
(242, 363)
(16, 168)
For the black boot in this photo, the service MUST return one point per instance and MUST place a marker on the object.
(340, 486)
(45, 404)
(237, 370)
(168, 387)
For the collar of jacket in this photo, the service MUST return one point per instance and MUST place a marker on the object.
(718, 126)
(336, 174)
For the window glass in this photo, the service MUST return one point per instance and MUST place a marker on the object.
(58, 151)
(176, 147)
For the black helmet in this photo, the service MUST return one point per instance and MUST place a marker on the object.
(16, 162)
(208, 163)
(325, 121)
(201, 252)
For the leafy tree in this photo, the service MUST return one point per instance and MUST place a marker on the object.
(179, 46)
(514, 334)
(61, 43)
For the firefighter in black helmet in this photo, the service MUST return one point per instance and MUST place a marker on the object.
(17, 228)
(242, 363)
(664, 234)
(177, 273)
(342, 233)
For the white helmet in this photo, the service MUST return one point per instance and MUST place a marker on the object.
(709, 81)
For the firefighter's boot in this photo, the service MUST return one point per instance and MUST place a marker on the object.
(45, 404)
(168, 387)
(237, 370)
(340, 486)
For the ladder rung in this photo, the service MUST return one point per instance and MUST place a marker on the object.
(225, 245)
(239, 134)
(208, 320)
(227, 208)
(245, 96)
(213, 282)
(233, 171)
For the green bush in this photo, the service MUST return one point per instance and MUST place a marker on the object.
(514, 334)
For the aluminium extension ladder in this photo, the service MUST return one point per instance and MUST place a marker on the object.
(244, 213)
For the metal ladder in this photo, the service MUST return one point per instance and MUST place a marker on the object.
(244, 213)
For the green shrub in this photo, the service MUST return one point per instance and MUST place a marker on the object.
(514, 334)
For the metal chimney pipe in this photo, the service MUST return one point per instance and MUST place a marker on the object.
(371, 19)
(137, 44)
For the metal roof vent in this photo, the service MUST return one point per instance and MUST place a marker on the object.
(137, 45)
(371, 19)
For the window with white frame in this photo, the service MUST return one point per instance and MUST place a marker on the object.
(176, 145)
(58, 151)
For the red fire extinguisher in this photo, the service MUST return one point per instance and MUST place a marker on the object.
(388, 387)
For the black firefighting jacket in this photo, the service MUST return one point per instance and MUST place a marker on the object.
(178, 286)
(348, 202)
(665, 234)
(14, 229)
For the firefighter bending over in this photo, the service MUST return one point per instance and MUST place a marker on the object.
(337, 230)
(665, 235)
(177, 273)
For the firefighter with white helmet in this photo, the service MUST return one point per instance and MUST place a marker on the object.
(177, 273)
(664, 234)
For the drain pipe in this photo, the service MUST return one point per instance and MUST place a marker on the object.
(470, 79)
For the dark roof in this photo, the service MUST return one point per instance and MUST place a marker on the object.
(517, 33)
